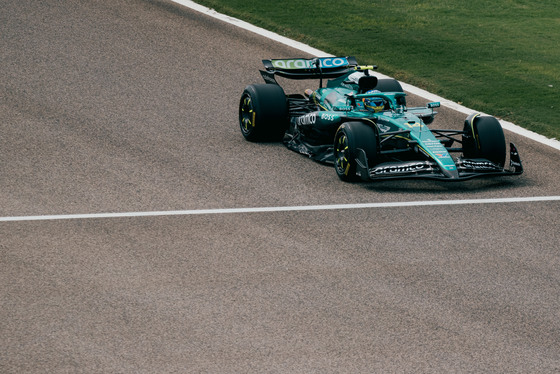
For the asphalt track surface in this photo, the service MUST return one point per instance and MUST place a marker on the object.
(131, 106)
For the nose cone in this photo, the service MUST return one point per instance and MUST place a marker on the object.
(451, 174)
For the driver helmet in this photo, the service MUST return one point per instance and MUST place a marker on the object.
(374, 104)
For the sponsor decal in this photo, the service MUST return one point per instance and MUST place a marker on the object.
(308, 119)
(328, 116)
(434, 105)
(436, 148)
(343, 108)
(333, 62)
(480, 165)
(300, 63)
(292, 64)
(401, 168)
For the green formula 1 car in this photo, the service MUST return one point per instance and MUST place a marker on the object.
(362, 125)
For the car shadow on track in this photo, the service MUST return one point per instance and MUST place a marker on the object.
(430, 186)
(419, 186)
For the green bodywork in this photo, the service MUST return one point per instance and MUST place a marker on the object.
(396, 120)
(390, 141)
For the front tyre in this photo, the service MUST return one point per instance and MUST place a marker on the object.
(263, 113)
(349, 139)
(484, 138)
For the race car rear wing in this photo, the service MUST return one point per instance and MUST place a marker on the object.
(312, 68)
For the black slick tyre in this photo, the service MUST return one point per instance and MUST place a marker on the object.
(263, 113)
(388, 85)
(484, 138)
(349, 138)
(391, 85)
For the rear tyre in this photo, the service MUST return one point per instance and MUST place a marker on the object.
(388, 85)
(349, 138)
(391, 85)
(263, 113)
(484, 138)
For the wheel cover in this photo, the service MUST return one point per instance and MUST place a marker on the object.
(341, 155)
(247, 115)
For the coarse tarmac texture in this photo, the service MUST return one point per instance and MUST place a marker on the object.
(129, 105)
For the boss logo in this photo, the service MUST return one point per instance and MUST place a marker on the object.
(328, 117)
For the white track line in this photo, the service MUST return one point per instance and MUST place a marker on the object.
(303, 47)
(407, 87)
(282, 209)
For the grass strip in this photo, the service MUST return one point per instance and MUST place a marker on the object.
(500, 57)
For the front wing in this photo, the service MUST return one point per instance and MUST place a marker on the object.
(466, 168)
